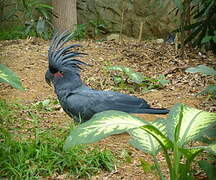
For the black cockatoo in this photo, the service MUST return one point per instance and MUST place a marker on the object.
(78, 100)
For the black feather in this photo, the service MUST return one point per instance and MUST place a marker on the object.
(60, 57)
(77, 99)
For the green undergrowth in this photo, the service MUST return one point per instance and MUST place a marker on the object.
(12, 33)
(29, 151)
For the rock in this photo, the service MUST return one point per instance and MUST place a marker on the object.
(113, 37)
(159, 41)
(153, 14)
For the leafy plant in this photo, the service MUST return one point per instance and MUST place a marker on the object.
(8, 76)
(79, 32)
(41, 24)
(127, 75)
(14, 32)
(98, 27)
(208, 71)
(92, 29)
(46, 104)
(173, 134)
(36, 16)
(202, 30)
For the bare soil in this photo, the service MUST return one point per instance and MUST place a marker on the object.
(28, 58)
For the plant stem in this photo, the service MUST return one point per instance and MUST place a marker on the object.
(176, 161)
(176, 153)
(157, 166)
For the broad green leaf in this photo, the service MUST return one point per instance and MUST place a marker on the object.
(102, 125)
(162, 80)
(115, 68)
(209, 169)
(40, 26)
(211, 148)
(194, 123)
(156, 133)
(146, 142)
(208, 136)
(202, 69)
(133, 76)
(8, 76)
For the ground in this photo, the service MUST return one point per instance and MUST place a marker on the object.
(28, 58)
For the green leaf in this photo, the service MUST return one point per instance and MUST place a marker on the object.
(208, 168)
(145, 142)
(102, 125)
(40, 26)
(206, 39)
(192, 152)
(202, 69)
(146, 166)
(117, 79)
(8, 76)
(115, 68)
(193, 124)
(212, 148)
(210, 90)
(156, 133)
(162, 80)
(135, 77)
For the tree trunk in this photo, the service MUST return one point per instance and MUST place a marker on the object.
(67, 15)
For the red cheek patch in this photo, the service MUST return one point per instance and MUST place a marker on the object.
(58, 74)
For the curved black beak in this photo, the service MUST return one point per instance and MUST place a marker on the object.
(49, 78)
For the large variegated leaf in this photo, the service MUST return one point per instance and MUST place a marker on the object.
(102, 125)
(193, 123)
(212, 148)
(8, 76)
(202, 69)
(143, 141)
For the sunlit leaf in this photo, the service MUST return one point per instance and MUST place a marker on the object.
(115, 68)
(212, 148)
(133, 76)
(146, 142)
(102, 125)
(194, 122)
(162, 80)
(202, 69)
